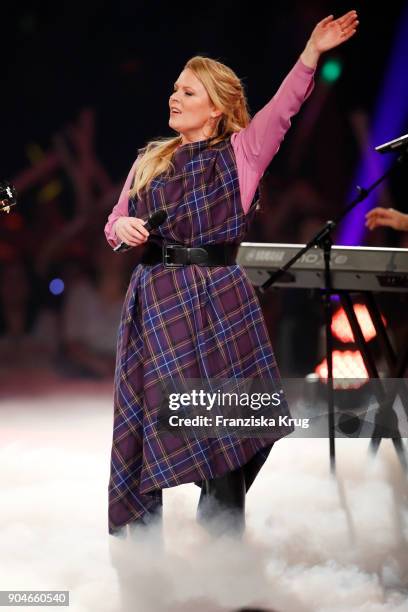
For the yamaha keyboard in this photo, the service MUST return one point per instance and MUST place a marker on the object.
(352, 268)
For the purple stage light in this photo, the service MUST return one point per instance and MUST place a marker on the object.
(388, 123)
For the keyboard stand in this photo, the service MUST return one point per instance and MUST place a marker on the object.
(396, 366)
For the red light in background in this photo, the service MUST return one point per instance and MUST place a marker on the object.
(346, 364)
(341, 327)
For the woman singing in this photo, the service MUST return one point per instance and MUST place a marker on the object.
(190, 312)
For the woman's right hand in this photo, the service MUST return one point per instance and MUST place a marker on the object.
(131, 230)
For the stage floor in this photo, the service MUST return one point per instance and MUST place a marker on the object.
(313, 543)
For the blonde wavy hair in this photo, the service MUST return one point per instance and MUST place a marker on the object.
(225, 91)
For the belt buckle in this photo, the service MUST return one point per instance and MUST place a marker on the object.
(169, 264)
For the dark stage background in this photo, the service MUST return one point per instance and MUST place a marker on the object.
(84, 85)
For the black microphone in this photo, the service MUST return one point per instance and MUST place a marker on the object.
(393, 145)
(153, 221)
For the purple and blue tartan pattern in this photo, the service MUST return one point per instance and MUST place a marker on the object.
(189, 322)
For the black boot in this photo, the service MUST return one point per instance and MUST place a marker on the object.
(221, 508)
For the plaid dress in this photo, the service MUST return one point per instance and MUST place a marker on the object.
(190, 322)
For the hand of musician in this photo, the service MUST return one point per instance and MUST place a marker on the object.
(327, 34)
(131, 230)
(386, 216)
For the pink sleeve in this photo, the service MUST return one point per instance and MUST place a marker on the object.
(120, 209)
(257, 144)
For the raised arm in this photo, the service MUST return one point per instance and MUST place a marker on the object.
(256, 145)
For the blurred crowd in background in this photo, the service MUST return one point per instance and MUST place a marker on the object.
(61, 285)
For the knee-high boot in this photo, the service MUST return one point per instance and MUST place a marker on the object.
(221, 508)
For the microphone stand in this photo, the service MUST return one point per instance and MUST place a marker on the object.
(323, 240)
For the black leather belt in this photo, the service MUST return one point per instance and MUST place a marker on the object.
(178, 255)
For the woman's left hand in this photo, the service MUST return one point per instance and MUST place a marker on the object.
(329, 33)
